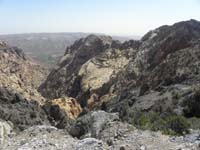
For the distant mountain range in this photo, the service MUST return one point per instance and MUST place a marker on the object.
(46, 47)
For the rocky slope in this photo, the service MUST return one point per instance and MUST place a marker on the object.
(159, 73)
(88, 68)
(20, 73)
(100, 131)
(19, 111)
(102, 89)
(165, 71)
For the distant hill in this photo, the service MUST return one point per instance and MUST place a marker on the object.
(46, 47)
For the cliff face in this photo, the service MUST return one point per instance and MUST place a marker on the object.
(19, 73)
(164, 75)
(169, 54)
(153, 83)
(88, 69)
(99, 71)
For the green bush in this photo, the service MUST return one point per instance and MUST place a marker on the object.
(194, 123)
(168, 124)
(177, 124)
(192, 105)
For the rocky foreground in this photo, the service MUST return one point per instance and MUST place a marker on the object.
(104, 94)
(101, 131)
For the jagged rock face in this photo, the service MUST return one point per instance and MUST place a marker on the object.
(179, 67)
(167, 62)
(19, 73)
(169, 55)
(158, 43)
(88, 69)
(64, 79)
(109, 75)
(21, 112)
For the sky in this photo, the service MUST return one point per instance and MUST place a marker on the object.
(115, 17)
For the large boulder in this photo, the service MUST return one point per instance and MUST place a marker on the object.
(6, 129)
(92, 123)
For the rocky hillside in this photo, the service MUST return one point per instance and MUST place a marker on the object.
(166, 70)
(20, 73)
(107, 95)
(88, 68)
(159, 73)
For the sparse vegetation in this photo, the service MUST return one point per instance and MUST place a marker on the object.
(192, 105)
(167, 124)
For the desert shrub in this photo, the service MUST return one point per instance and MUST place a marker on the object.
(168, 124)
(192, 105)
(177, 125)
(194, 123)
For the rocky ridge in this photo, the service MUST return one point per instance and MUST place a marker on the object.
(159, 73)
(96, 69)
(20, 73)
(101, 89)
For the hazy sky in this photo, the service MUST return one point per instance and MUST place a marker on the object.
(122, 17)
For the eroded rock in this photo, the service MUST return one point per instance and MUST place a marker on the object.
(19, 73)
(21, 112)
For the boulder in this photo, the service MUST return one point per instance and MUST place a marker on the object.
(6, 129)
(92, 123)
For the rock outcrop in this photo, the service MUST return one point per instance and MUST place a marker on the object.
(92, 124)
(20, 73)
(21, 112)
(100, 87)
(169, 54)
(88, 69)
(6, 129)
(69, 105)
(159, 73)
(164, 75)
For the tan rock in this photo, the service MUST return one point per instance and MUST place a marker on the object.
(20, 74)
(99, 70)
(69, 105)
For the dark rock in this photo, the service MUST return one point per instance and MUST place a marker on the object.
(21, 112)
(57, 116)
